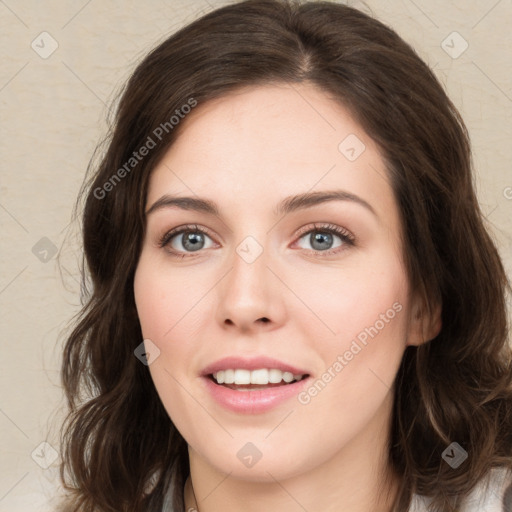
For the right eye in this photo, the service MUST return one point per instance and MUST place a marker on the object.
(185, 240)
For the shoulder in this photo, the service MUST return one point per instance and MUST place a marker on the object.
(492, 494)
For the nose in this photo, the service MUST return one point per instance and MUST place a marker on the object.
(250, 297)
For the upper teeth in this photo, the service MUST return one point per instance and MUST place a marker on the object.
(261, 376)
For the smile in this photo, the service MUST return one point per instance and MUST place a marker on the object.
(253, 398)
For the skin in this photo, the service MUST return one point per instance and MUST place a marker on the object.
(247, 151)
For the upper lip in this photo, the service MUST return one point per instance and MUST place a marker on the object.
(250, 363)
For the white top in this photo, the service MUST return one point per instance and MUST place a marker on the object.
(497, 497)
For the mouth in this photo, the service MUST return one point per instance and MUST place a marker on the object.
(252, 385)
(249, 392)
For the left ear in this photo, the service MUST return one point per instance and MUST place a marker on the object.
(424, 325)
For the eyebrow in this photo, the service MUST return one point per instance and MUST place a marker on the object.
(286, 206)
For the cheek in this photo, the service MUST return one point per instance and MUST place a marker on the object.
(166, 301)
(360, 365)
(361, 330)
(165, 306)
(345, 300)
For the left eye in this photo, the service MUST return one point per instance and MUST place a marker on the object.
(321, 239)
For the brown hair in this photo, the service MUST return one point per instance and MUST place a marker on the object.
(120, 450)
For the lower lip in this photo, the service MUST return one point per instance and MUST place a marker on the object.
(256, 401)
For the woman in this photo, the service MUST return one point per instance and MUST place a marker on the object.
(295, 302)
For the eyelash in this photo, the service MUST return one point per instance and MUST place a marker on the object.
(347, 238)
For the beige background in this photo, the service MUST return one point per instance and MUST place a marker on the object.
(53, 113)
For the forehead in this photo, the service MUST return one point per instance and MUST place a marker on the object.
(281, 122)
(259, 144)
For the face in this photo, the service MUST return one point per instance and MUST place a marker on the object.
(317, 285)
